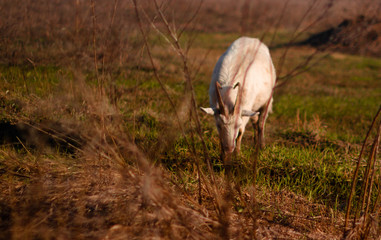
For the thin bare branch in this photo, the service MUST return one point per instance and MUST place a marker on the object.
(155, 70)
(191, 19)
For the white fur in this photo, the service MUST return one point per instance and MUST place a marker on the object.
(248, 62)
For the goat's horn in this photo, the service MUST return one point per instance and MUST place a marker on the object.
(237, 105)
(219, 98)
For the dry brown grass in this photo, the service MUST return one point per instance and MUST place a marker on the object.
(81, 173)
(109, 189)
(60, 32)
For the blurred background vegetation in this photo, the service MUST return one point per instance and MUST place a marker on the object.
(99, 132)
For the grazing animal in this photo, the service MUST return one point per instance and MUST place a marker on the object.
(241, 88)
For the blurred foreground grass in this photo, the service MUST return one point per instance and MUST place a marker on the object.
(313, 135)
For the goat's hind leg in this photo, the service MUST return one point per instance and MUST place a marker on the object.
(262, 122)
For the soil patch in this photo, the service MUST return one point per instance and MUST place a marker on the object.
(47, 133)
(361, 35)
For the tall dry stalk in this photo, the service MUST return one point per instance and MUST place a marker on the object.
(223, 204)
(298, 31)
(173, 39)
(361, 229)
(283, 79)
(171, 35)
(94, 32)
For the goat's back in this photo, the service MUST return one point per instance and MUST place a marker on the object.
(248, 62)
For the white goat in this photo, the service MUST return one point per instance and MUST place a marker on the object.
(241, 87)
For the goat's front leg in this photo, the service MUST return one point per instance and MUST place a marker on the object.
(226, 160)
(255, 123)
(223, 154)
(238, 143)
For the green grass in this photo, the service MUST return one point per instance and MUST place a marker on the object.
(322, 175)
(216, 41)
(96, 155)
(315, 117)
(344, 93)
(26, 80)
(344, 117)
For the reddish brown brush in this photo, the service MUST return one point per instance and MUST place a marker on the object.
(81, 172)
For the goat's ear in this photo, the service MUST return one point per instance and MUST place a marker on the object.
(248, 113)
(236, 85)
(209, 111)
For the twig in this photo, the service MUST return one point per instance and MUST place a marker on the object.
(92, 4)
(18, 139)
(279, 21)
(55, 135)
(155, 70)
(191, 18)
(302, 67)
(188, 86)
(355, 174)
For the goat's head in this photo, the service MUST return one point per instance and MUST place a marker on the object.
(229, 121)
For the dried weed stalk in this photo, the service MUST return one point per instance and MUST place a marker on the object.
(367, 211)
(172, 36)
(109, 190)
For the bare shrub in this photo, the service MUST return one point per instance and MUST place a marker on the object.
(110, 186)
(110, 189)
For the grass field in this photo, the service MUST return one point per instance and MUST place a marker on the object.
(99, 152)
